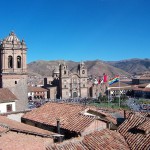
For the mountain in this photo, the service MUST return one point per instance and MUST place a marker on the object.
(132, 66)
(95, 68)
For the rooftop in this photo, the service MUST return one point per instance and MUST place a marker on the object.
(6, 95)
(18, 136)
(98, 140)
(70, 116)
(135, 130)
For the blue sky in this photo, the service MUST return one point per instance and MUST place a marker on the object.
(79, 30)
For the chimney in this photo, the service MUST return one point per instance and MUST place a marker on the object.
(58, 126)
(109, 125)
(60, 137)
(124, 112)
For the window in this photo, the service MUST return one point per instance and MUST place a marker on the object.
(10, 62)
(9, 107)
(18, 61)
(15, 82)
(65, 72)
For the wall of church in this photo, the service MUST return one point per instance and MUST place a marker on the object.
(18, 86)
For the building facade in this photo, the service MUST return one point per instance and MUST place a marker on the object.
(66, 83)
(73, 84)
(13, 68)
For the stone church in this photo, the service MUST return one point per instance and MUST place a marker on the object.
(69, 84)
(13, 68)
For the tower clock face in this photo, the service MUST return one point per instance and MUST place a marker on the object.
(83, 71)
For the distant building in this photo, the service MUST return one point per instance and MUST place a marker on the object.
(13, 68)
(36, 93)
(142, 79)
(119, 88)
(142, 90)
(68, 84)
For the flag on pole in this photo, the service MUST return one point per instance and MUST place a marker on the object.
(104, 77)
(114, 80)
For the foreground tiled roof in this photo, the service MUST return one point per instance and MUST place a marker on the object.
(135, 130)
(103, 114)
(21, 127)
(6, 95)
(19, 136)
(98, 140)
(19, 141)
(70, 116)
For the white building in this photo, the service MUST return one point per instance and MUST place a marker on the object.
(7, 101)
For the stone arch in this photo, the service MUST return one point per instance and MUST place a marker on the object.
(10, 61)
(19, 62)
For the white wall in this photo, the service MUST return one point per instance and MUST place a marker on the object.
(3, 107)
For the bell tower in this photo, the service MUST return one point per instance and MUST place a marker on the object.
(82, 71)
(13, 68)
(64, 80)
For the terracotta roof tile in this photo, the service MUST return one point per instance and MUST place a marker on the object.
(19, 141)
(6, 95)
(98, 140)
(36, 89)
(2, 130)
(69, 115)
(130, 130)
(145, 126)
(19, 136)
(21, 127)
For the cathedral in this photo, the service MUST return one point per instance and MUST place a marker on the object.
(13, 69)
(69, 84)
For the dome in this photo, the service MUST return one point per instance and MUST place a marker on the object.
(12, 37)
(56, 70)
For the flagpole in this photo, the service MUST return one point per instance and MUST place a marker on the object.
(119, 90)
(108, 94)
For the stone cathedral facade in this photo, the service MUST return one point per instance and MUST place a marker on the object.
(13, 68)
(71, 84)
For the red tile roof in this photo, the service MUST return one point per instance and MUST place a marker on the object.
(36, 89)
(6, 95)
(98, 140)
(3, 130)
(70, 116)
(18, 136)
(19, 141)
(133, 136)
(21, 127)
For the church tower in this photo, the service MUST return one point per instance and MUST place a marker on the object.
(82, 71)
(13, 69)
(64, 81)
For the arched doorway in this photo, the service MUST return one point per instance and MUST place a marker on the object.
(75, 94)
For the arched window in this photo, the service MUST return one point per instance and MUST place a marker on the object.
(10, 62)
(18, 61)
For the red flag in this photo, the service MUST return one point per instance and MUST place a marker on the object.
(105, 77)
